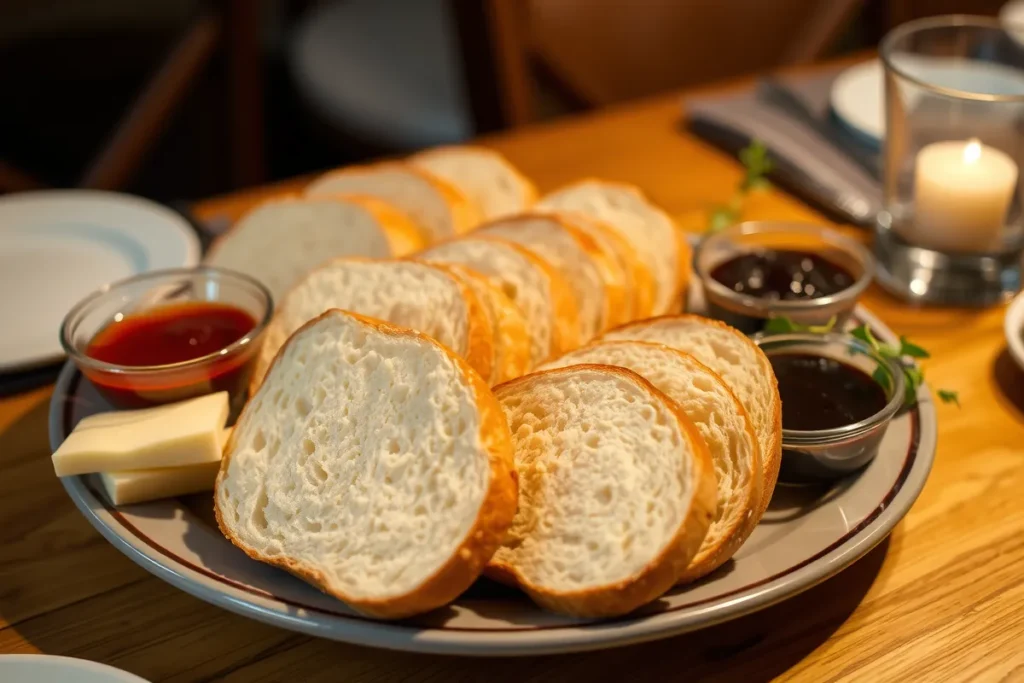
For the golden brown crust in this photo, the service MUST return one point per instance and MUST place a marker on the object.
(494, 517)
(611, 276)
(684, 259)
(530, 194)
(639, 280)
(709, 558)
(662, 572)
(479, 350)
(511, 340)
(612, 273)
(565, 322)
(402, 232)
(771, 457)
(464, 215)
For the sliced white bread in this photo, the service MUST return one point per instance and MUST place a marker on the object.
(596, 279)
(372, 463)
(616, 490)
(721, 421)
(739, 362)
(483, 175)
(279, 241)
(639, 283)
(437, 207)
(540, 292)
(656, 238)
(425, 297)
(508, 325)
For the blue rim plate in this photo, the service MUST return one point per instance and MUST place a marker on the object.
(800, 542)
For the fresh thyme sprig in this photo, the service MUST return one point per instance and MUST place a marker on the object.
(756, 166)
(905, 355)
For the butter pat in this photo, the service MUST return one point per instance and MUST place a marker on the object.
(186, 433)
(140, 486)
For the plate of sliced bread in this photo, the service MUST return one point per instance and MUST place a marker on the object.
(479, 424)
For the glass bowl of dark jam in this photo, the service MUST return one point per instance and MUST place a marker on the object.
(169, 335)
(838, 397)
(755, 271)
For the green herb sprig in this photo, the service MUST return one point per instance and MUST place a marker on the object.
(905, 355)
(756, 166)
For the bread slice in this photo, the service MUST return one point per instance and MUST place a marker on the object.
(435, 205)
(637, 278)
(540, 292)
(427, 298)
(616, 490)
(656, 238)
(740, 362)
(281, 240)
(484, 176)
(596, 279)
(722, 423)
(511, 341)
(372, 463)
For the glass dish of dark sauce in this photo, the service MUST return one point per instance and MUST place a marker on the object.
(838, 397)
(782, 275)
(824, 393)
(753, 272)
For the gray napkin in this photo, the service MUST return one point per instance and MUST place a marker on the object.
(805, 163)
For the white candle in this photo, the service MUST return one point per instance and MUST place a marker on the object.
(962, 190)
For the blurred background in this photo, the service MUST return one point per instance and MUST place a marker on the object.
(179, 99)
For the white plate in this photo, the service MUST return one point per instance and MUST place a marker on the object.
(57, 246)
(1013, 327)
(807, 536)
(49, 669)
(858, 99)
(858, 93)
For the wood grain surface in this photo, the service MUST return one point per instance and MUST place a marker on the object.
(941, 600)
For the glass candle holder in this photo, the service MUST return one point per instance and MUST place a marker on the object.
(954, 97)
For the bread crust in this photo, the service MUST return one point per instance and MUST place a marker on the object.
(618, 298)
(565, 323)
(639, 280)
(493, 519)
(464, 215)
(611, 275)
(771, 457)
(527, 186)
(684, 258)
(511, 340)
(662, 572)
(404, 236)
(479, 336)
(710, 557)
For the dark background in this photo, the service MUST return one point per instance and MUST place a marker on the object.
(70, 71)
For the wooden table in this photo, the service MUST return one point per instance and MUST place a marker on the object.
(942, 599)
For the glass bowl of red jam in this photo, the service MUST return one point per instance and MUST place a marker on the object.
(169, 335)
(755, 271)
(838, 398)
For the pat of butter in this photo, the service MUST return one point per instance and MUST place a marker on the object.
(186, 433)
(139, 486)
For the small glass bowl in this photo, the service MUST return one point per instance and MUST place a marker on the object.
(750, 313)
(828, 454)
(128, 386)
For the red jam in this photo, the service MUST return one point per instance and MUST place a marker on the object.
(171, 334)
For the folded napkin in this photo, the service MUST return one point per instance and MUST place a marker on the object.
(805, 162)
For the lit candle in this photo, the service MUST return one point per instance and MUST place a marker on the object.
(962, 190)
